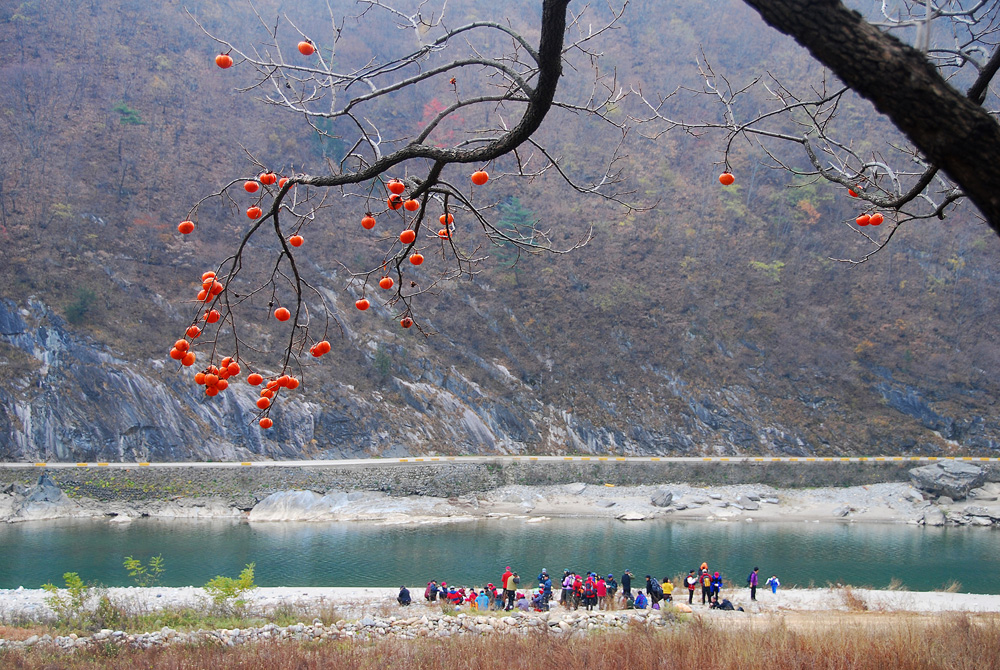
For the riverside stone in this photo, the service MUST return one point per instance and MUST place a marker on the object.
(948, 478)
(934, 516)
(662, 498)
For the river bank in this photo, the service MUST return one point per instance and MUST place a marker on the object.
(894, 502)
(372, 613)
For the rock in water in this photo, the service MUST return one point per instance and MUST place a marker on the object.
(948, 478)
(934, 517)
(662, 498)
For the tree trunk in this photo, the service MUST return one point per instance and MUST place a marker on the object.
(952, 131)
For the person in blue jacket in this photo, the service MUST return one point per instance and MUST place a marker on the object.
(717, 586)
(640, 600)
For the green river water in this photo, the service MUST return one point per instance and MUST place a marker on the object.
(473, 553)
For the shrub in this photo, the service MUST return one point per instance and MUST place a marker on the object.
(229, 594)
(70, 608)
(78, 310)
(145, 575)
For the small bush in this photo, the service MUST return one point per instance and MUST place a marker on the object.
(145, 575)
(954, 586)
(78, 310)
(896, 584)
(228, 594)
(852, 600)
(70, 608)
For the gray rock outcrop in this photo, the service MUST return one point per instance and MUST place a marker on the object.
(748, 502)
(44, 500)
(953, 479)
(662, 498)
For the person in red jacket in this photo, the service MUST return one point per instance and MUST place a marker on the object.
(691, 582)
(602, 593)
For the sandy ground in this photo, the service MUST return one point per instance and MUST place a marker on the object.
(351, 603)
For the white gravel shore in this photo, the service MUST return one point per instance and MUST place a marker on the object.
(357, 602)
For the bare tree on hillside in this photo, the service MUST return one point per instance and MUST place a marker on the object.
(933, 91)
(417, 183)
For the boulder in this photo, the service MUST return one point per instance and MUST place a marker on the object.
(44, 491)
(575, 488)
(842, 511)
(662, 498)
(749, 502)
(44, 500)
(289, 506)
(631, 516)
(948, 478)
(976, 510)
(933, 516)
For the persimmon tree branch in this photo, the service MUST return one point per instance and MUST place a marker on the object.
(516, 88)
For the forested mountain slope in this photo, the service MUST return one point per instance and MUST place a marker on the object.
(714, 322)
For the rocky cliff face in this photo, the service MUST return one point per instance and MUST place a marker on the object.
(713, 323)
(75, 400)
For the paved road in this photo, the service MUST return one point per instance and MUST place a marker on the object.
(382, 462)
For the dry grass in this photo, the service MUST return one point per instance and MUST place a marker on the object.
(852, 601)
(954, 586)
(896, 584)
(953, 642)
(20, 633)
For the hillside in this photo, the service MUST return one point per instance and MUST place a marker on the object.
(713, 323)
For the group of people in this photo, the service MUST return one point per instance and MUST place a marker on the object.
(589, 590)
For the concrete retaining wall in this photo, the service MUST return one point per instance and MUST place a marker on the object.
(244, 486)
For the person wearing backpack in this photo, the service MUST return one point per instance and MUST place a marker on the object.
(691, 581)
(510, 589)
(654, 590)
(752, 581)
(589, 593)
(706, 587)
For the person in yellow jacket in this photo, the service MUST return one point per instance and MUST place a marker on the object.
(668, 589)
